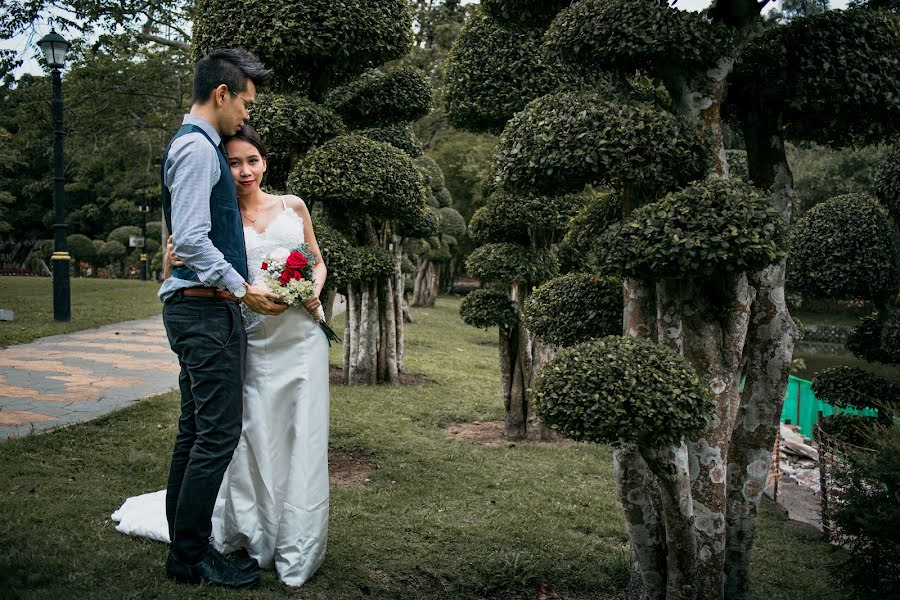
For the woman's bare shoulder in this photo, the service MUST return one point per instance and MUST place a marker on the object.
(296, 204)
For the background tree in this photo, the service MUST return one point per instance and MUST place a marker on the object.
(704, 264)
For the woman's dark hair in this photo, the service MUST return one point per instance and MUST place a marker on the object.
(231, 66)
(249, 135)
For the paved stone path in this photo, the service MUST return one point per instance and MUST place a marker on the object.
(74, 377)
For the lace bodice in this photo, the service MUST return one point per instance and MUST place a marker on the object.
(285, 231)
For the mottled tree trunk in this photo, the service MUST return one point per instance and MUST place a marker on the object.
(425, 289)
(770, 347)
(372, 348)
(328, 304)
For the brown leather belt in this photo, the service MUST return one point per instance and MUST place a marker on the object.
(205, 292)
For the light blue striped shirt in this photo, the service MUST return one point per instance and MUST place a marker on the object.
(191, 172)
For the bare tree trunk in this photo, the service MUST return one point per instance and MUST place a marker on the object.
(507, 354)
(770, 347)
(328, 304)
(399, 316)
(351, 337)
(671, 470)
(425, 291)
(392, 368)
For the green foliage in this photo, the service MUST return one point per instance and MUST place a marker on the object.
(575, 308)
(588, 226)
(398, 135)
(352, 174)
(377, 98)
(369, 263)
(111, 250)
(848, 387)
(422, 223)
(563, 141)
(154, 230)
(865, 340)
(507, 262)
(452, 223)
(444, 197)
(867, 514)
(710, 229)
(844, 249)
(515, 216)
(431, 173)
(533, 13)
(621, 389)
(492, 72)
(307, 41)
(890, 338)
(291, 124)
(851, 429)
(821, 173)
(336, 254)
(632, 35)
(121, 234)
(81, 248)
(834, 76)
(465, 160)
(737, 164)
(887, 183)
(485, 308)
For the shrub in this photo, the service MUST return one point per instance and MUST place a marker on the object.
(431, 173)
(621, 389)
(398, 135)
(422, 223)
(304, 40)
(485, 308)
(560, 142)
(887, 183)
(856, 430)
(377, 98)
(490, 224)
(354, 175)
(890, 338)
(112, 250)
(335, 251)
(507, 262)
(443, 197)
(121, 234)
(590, 223)
(575, 308)
(810, 71)
(737, 164)
(81, 248)
(452, 223)
(851, 387)
(525, 12)
(710, 229)
(154, 230)
(844, 248)
(630, 36)
(864, 340)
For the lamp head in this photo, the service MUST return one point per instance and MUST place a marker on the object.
(54, 47)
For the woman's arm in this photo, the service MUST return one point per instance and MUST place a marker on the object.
(320, 271)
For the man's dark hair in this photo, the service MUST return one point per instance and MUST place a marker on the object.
(231, 66)
(249, 135)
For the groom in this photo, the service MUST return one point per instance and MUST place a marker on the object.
(201, 310)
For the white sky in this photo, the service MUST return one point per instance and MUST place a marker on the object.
(25, 44)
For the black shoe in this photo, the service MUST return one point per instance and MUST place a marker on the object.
(248, 565)
(210, 570)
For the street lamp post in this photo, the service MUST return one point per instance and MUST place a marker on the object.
(145, 208)
(54, 47)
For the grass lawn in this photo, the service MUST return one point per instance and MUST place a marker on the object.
(440, 519)
(95, 302)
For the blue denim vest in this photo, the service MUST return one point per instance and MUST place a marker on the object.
(227, 232)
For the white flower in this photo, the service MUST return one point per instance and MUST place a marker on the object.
(280, 254)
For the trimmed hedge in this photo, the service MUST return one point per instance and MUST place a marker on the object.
(844, 248)
(486, 308)
(354, 175)
(575, 308)
(336, 255)
(306, 41)
(443, 197)
(377, 98)
(121, 234)
(890, 338)
(710, 229)
(851, 429)
(530, 13)
(422, 223)
(506, 262)
(621, 389)
(834, 76)
(492, 224)
(851, 387)
(737, 164)
(398, 135)
(887, 184)
(864, 340)
(629, 36)
(431, 173)
(563, 141)
(591, 222)
(291, 124)
(492, 72)
(452, 223)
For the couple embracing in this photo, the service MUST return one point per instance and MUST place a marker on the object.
(249, 470)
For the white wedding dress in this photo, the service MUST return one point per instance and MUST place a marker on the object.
(274, 498)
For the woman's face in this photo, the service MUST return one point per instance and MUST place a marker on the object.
(247, 166)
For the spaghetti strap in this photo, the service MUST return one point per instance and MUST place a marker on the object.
(283, 203)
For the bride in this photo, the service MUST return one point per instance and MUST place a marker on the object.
(274, 498)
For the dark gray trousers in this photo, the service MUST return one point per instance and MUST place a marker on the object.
(208, 336)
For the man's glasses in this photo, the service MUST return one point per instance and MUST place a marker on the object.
(248, 104)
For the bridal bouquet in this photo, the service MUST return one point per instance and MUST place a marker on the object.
(289, 275)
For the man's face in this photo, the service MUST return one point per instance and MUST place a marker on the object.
(236, 109)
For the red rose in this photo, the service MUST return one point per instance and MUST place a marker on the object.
(296, 261)
(265, 266)
(288, 274)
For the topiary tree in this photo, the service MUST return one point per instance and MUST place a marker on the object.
(82, 250)
(329, 84)
(111, 254)
(703, 261)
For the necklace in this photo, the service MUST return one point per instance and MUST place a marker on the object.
(246, 216)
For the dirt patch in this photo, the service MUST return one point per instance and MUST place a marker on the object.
(336, 377)
(349, 470)
(490, 433)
